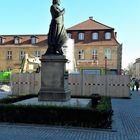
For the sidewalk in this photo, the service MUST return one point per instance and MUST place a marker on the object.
(126, 123)
(127, 116)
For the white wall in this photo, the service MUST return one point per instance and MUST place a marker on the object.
(68, 50)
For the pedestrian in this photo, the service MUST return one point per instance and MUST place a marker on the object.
(137, 84)
(132, 84)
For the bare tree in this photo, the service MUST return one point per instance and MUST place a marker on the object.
(130, 69)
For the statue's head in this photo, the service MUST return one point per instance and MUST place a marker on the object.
(56, 2)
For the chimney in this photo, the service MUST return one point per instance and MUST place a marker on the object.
(115, 34)
(91, 17)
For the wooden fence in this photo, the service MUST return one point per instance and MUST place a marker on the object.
(107, 85)
(25, 83)
(87, 84)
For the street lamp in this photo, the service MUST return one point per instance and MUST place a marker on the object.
(105, 65)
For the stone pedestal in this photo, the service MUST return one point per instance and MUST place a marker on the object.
(54, 81)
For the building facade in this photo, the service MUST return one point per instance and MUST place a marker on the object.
(96, 48)
(13, 49)
(137, 69)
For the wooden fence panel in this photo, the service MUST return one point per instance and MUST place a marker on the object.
(107, 85)
(75, 84)
(87, 84)
(25, 83)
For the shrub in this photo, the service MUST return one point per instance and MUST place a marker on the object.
(99, 117)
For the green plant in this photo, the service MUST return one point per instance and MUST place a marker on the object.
(104, 104)
(99, 117)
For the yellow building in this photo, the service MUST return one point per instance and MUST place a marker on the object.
(136, 69)
(13, 49)
(96, 48)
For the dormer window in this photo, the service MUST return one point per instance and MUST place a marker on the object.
(81, 36)
(2, 40)
(17, 40)
(107, 36)
(33, 39)
(95, 36)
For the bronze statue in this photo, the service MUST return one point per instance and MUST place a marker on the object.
(57, 34)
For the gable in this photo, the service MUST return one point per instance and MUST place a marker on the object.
(90, 24)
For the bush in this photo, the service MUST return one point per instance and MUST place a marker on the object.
(99, 117)
(104, 104)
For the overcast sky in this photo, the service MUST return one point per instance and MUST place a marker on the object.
(33, 17)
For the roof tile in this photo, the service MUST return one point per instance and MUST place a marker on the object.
(90, 24)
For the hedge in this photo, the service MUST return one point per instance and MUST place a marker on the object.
(97, 116)
(67, 116)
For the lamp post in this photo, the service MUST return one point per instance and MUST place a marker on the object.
(105, 65)
(106, 83)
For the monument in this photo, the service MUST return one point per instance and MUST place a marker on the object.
(54, 80)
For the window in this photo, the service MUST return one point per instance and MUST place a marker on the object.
(2, 40)
(81, 36)
(94, 72)
(16, 40)
(107, 35)
(9, 55)
(107, 53)
(94, 54)
(95, 36)
(33, 40)
(21, 55)
(81, 54)
(37, 53)
(69, 35)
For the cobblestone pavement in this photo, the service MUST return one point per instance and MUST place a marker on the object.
(126, 126)
(4, 94)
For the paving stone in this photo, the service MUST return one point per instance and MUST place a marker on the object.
(126, 122)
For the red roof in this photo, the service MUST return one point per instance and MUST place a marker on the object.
(90, 24)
